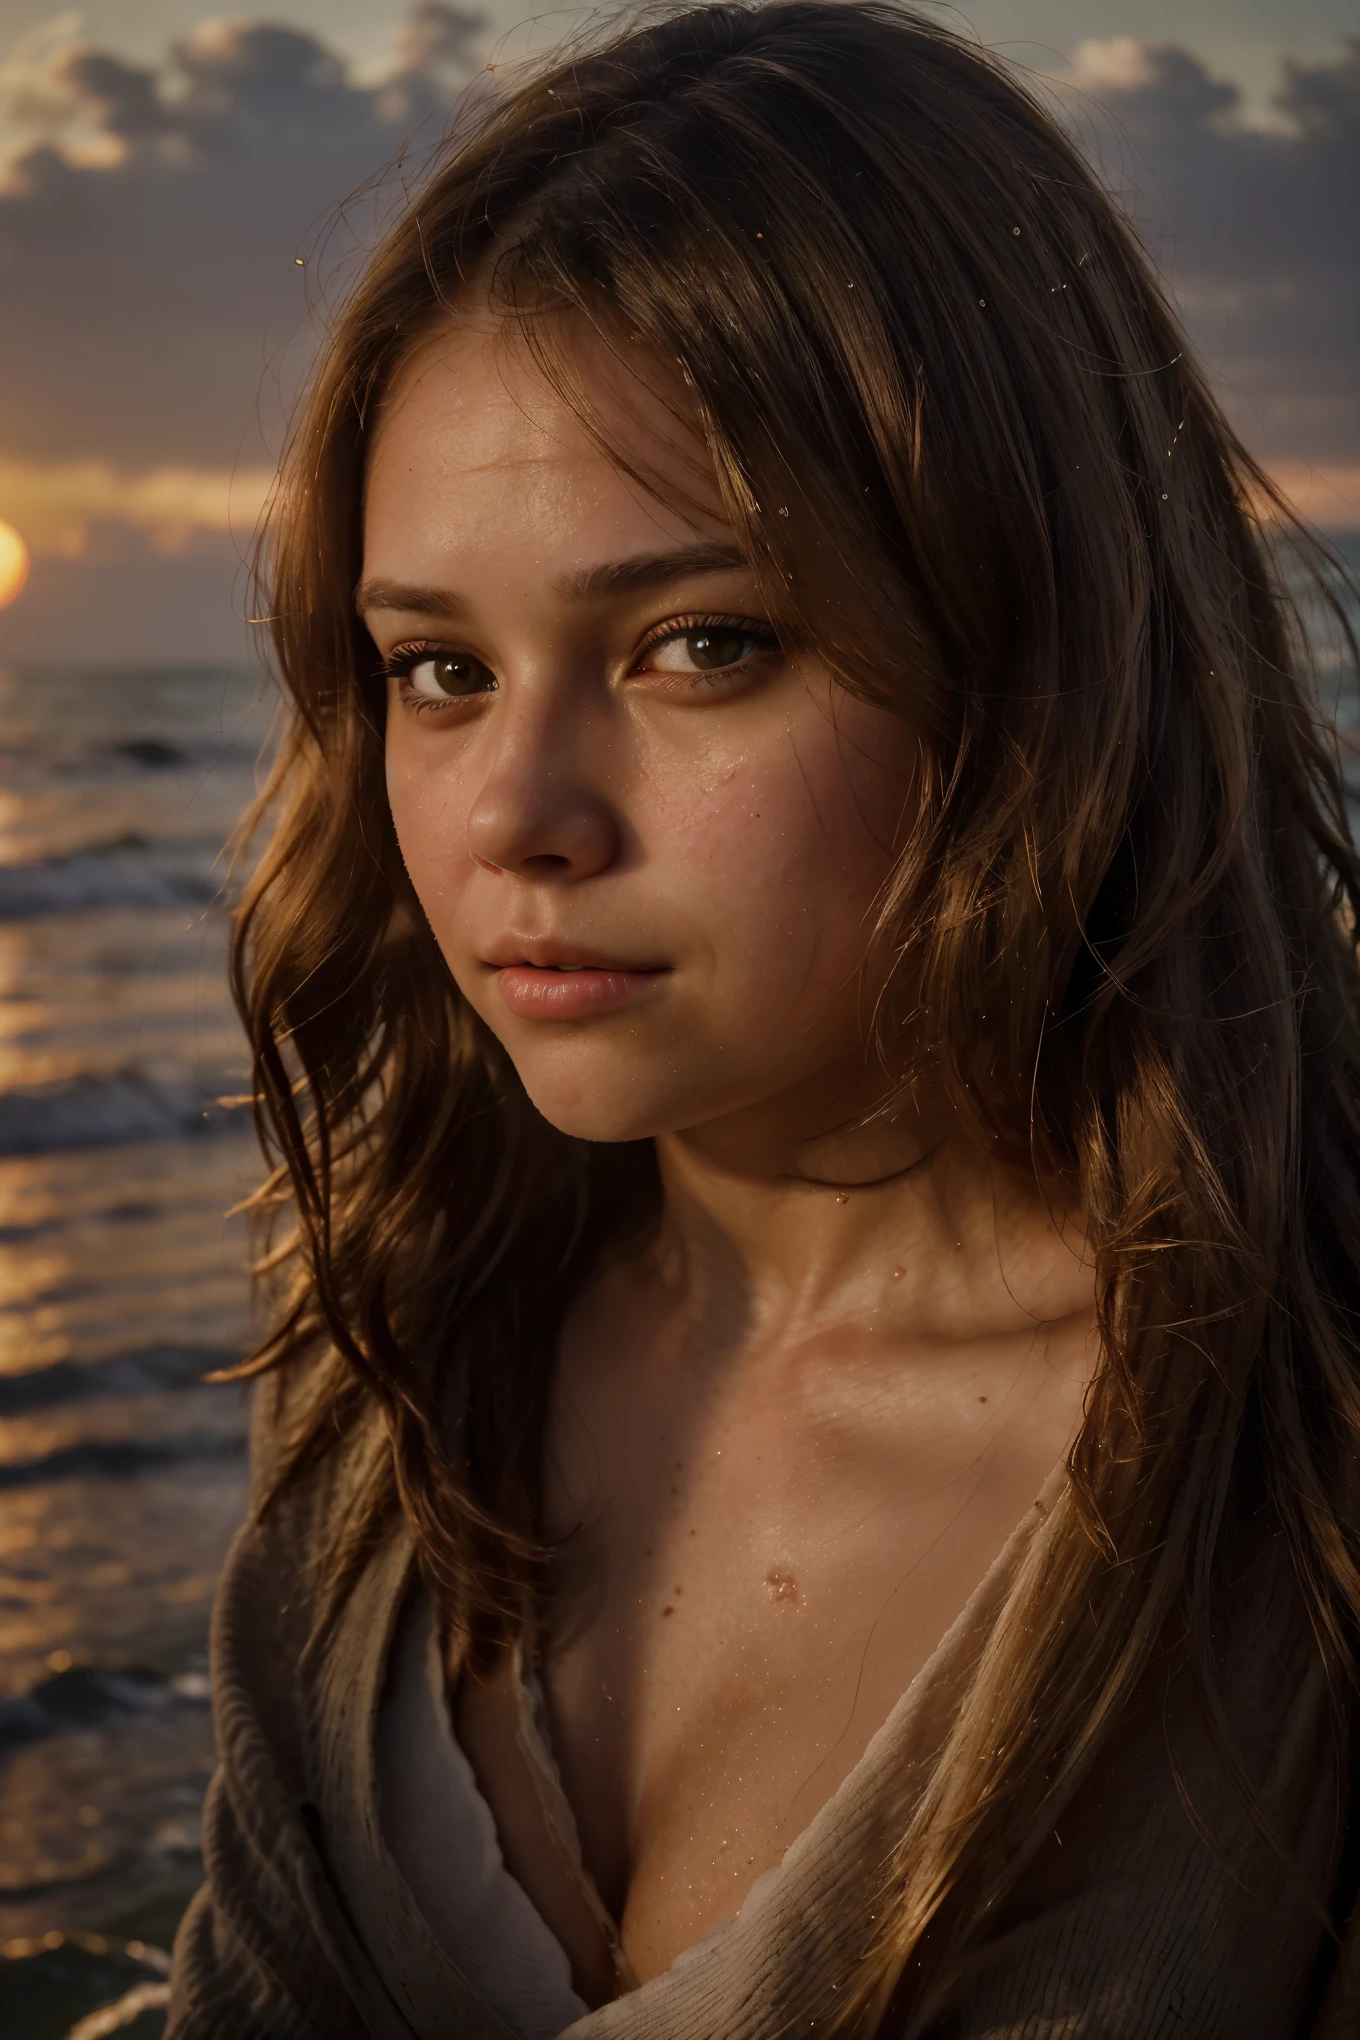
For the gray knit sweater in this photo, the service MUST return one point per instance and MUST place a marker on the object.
(1156, 1912)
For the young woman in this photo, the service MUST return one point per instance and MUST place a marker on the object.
(803, 996)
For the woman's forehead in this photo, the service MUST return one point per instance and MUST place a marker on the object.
(479, 435)
(560, 389)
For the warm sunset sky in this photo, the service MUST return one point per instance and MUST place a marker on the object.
(160, 170)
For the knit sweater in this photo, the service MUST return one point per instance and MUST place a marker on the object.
(1156, 1910)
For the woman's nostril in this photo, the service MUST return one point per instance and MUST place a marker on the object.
(575, 838)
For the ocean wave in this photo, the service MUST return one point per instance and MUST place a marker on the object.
(87, 1697)
(134, 1103)
(120, 874)
(144, 1371)
(119, 1458)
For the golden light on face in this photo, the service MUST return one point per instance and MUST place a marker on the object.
(13, 564)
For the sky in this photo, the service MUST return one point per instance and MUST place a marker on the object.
(182, 194)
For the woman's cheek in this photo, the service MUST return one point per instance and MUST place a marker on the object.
(429, 817)
(805, 819)
(745, 867)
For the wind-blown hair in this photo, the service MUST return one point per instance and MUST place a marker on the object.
(954, 423)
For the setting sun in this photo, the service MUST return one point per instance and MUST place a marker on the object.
(13, 564)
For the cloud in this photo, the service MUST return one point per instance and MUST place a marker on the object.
(1115, 63)
(149, 228)
(157, 321)
(1258, 230)
(55, 503)
(1325, 492)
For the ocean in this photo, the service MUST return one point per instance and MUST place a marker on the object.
(122, 1282)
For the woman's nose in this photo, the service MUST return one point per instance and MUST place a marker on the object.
(538, 814)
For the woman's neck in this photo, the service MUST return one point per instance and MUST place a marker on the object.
(770, 1232)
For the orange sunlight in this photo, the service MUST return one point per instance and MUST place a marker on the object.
(13, 564)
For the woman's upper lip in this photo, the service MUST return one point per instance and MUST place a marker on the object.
(543, 953)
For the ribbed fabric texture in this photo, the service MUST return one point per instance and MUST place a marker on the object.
(1155, 1910)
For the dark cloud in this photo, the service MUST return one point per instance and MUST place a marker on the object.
(123, 99)
(1259, 232)
(146, 297)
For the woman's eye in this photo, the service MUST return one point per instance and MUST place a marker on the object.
(447, 675)
(710, 648)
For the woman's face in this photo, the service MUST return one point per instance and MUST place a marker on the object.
(648, 839)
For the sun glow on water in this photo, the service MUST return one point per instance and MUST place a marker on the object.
(13, 564)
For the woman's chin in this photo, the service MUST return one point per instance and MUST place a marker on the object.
(613, 1105)
(592, 1113)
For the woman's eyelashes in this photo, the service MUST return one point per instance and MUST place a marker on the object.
(433, 675)
(705, 647)
(688, 651)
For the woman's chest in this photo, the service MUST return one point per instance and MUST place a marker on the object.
(708, 1709)
(736, 1611)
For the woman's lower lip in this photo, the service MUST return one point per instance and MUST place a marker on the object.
(534, 994)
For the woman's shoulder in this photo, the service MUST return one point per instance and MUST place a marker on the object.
(319, 1507)
(1186, 1882)
(267, 1944)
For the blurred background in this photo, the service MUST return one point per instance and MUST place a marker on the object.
(181, 200)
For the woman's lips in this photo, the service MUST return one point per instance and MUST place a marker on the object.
(534, 992)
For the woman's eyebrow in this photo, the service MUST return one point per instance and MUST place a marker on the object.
(443, 602)
(588, 584)
(647, 570)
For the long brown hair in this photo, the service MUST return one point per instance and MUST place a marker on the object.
(955, 425)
